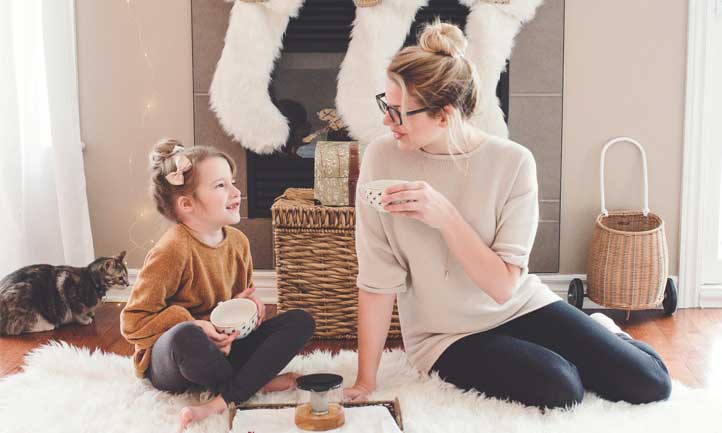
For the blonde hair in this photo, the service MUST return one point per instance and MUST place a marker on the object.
(437, 74)
(162, 163)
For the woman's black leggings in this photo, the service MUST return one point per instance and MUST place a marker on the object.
(548, 357)
(184, 356)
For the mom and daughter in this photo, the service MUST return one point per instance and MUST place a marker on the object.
(454, 254)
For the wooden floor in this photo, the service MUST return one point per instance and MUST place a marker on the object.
(690, 342)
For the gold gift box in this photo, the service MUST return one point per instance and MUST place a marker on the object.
(336, 171)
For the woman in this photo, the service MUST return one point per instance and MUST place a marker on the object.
(454, 248)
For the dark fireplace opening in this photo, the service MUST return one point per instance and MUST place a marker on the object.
(304, 83)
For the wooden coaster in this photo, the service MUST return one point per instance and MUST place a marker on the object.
(366, 3)
(305, 420)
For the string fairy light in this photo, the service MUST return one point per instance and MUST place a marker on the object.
(145, 216)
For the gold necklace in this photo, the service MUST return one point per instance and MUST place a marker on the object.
(461, 196)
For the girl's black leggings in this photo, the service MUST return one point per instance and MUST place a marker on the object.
(185, 357)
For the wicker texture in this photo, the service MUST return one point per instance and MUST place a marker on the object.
(627, 262)
(316, 265)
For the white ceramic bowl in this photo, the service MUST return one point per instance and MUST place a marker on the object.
(372, 192)
(238, 314)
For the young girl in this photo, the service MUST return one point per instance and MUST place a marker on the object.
(456, 255)
(199, 262)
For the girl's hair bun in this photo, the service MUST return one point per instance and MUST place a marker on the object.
(162, 150)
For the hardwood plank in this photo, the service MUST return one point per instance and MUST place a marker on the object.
(645, 326)
(705, 360)
(120, 347)
(679, 371)
(106, 322)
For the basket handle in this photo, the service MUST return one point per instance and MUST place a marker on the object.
(645, 211)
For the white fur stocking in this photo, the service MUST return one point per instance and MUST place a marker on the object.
(239, 91)
(490, 29)
(378, 33)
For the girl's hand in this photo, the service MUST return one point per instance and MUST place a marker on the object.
(225, 348)
(248, 294)
(428, 205)
(222, 341)
(358, 392)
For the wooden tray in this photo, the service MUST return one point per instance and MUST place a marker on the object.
(393, 407)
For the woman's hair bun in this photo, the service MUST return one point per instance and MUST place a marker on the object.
(443, 38)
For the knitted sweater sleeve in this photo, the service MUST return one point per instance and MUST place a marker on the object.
(148, 313)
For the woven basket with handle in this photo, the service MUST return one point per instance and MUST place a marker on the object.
(627, 261)
(316, 264)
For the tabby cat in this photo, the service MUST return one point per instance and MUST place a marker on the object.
(40, 298)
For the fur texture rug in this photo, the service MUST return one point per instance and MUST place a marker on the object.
(66, 389)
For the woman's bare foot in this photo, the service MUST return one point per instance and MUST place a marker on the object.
(283, 382)
(191, 414)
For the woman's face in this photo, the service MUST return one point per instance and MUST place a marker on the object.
(216, 200)
(418, 130)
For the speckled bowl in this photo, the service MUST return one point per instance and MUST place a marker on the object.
(238, 314)
(372, 192)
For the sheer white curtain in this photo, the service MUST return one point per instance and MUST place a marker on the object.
(43, 204)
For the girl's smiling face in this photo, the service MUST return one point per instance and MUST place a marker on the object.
(216, 200)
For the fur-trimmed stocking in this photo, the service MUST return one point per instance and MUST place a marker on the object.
(239, 91)
(378, 33)
(490, 29)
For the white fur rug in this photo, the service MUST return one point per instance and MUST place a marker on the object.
(65, 389)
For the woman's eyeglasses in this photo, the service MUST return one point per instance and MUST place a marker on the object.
(395, 114)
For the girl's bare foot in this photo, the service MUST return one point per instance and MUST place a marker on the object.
(283, 382)
(190, 414)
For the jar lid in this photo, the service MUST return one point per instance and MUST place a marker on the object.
(319, 382)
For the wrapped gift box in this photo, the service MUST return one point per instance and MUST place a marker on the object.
(336, 171)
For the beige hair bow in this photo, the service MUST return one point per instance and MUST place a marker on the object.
(182, 164)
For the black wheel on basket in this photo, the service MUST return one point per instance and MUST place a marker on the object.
(575, 295)
(670, 298)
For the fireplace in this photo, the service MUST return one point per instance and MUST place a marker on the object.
(304, 83)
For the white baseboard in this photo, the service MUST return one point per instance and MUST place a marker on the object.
(265, 281)
(267, 291)
(710, 296)
(559, 284)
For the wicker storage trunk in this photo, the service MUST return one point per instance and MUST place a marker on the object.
(316, 264)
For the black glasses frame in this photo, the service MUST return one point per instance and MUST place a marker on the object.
(393, 112)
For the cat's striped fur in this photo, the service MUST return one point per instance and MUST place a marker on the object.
(40, 298)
